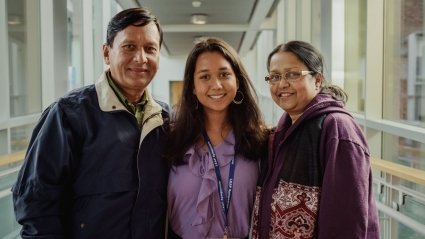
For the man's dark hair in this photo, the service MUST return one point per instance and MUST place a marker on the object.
(132, 16)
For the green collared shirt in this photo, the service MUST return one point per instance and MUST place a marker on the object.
(136, 109)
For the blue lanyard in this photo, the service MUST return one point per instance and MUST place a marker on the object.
(223, 199)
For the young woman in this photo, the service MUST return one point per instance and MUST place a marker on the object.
(317, 182)
(215, 144)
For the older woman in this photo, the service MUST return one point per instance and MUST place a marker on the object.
(317, 182)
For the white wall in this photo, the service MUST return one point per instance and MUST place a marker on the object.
(170, 69)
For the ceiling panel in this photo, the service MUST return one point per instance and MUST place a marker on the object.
(181, 43)
(218, 11)
(236, 21)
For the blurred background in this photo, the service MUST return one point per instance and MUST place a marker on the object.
(373, 49)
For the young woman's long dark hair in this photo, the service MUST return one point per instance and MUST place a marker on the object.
(245, 118)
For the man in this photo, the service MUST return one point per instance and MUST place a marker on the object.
(94, 166)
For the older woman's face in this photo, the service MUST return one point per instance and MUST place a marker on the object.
(292, 96)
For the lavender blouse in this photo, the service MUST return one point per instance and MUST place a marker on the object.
(193, 202)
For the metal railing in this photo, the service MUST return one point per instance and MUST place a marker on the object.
(388, 179)
(395, 184)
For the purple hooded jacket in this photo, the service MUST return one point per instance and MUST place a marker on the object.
(317, 182)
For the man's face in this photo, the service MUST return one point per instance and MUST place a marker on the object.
(133, 58)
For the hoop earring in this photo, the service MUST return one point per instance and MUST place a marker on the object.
(238, 102)
(196, 104)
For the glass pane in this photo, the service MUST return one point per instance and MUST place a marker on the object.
(416, 210)
(355, 55)
(404, 91)
(3, 142)
(9, 168)
(9, 228)
(99, 31)
(20, 136)
(75, 44)
(403, 151)
(316, 19)
(406, 152)
(24, 57)
(407, 233)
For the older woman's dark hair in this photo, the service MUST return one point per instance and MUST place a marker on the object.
(133, 16)
(245, 118)
(312, 58)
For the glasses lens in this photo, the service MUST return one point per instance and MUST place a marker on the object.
(274, 78)
(292, 75)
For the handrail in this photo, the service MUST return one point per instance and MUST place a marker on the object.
(400, 217)
(393, 192)
(401, 171)
(12, 158)
(411, 174)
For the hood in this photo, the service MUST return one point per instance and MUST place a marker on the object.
(321, 104)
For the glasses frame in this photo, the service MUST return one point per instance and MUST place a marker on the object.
(283, 76)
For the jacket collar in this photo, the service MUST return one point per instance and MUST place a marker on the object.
(108, 100)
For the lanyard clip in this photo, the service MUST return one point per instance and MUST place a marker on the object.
(225, 233)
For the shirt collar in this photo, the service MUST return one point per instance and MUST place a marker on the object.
(123, 99)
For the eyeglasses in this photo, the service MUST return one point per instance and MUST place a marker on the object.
(290, 76)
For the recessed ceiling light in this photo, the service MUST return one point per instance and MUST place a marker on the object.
(196, 3)
(14, 20)
(198, 19)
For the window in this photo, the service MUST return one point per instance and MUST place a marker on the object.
(404, 69)
(355, 54)
(75, 44)
(24, 57)
(404, 101)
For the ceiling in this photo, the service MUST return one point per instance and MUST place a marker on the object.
(236, 21)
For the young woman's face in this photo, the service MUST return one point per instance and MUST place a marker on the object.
(292, 96)
(215, 82)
